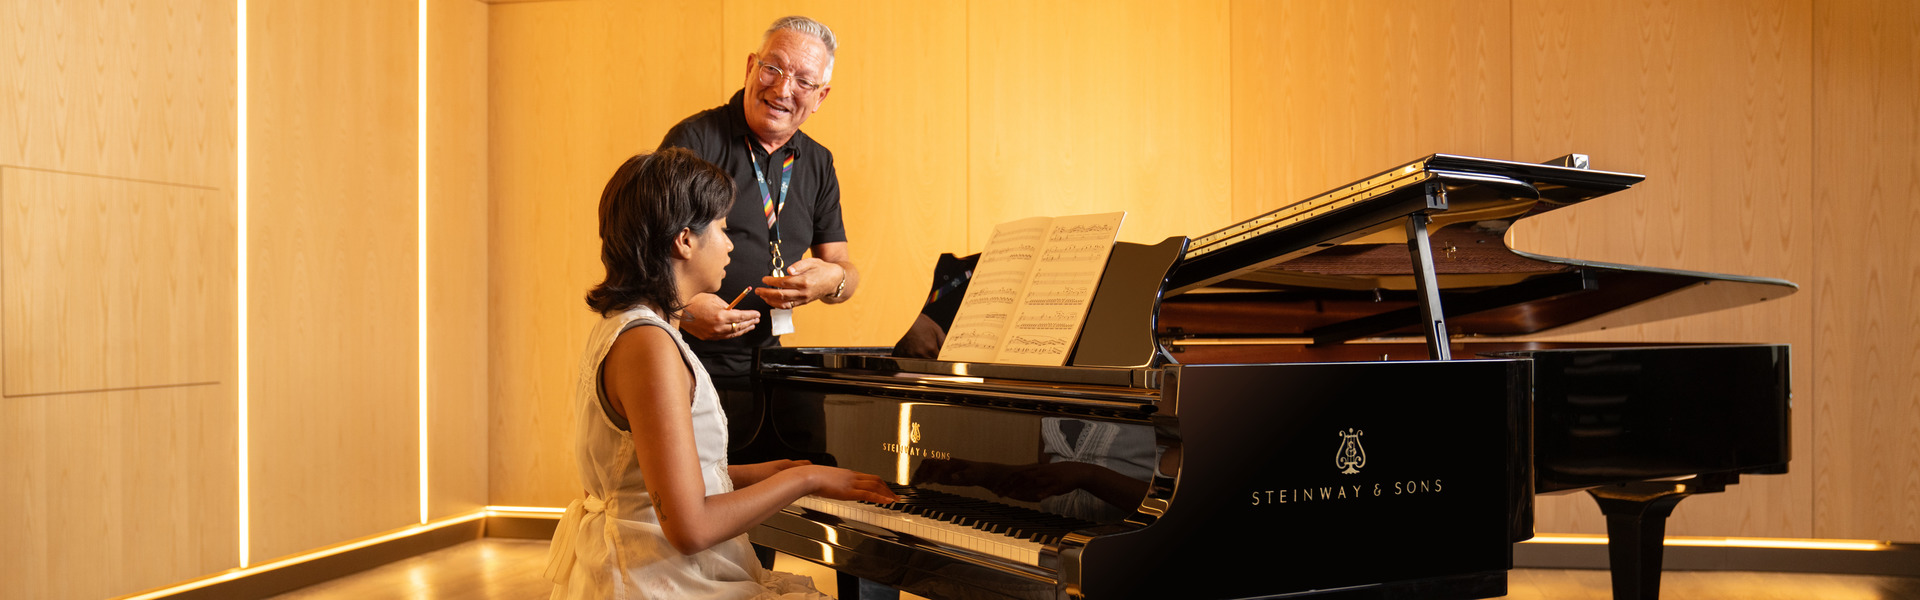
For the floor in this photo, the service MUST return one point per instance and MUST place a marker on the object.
(499, 569)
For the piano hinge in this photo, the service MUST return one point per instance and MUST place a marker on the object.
(1571, 161)
(1170, 339)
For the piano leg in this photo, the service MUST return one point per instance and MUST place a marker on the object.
(1637, 529)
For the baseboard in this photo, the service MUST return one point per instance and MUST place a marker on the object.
(528, 526)
(1898, 560)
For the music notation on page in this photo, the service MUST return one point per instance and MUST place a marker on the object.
(1031, 290)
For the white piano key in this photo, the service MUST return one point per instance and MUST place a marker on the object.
(1004, 546)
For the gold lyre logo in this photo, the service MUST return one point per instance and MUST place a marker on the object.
(1351, 456)
(913, 435)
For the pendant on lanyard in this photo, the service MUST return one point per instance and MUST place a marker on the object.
(771, 204)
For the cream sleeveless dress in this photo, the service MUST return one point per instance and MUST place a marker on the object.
(609, 544)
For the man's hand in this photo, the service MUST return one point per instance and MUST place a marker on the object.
(806, 281)
(708, 318)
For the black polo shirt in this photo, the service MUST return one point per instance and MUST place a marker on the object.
(810, 216)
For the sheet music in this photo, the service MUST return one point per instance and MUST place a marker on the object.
(1047, 320)
(1031, 290)
(981, 323)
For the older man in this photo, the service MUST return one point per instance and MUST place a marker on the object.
(788, 204)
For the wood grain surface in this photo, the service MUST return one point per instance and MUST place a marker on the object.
(333, 272)
(572, 94)
(1866, 358)
(457, 257)
(1712, 102)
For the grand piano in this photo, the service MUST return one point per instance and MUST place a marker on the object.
(1342, 398)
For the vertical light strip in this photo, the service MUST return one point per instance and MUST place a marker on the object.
(421, 177)
(241, 253)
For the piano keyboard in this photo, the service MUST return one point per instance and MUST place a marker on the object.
(999, 530)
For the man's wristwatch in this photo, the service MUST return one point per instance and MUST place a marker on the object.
(837, 290)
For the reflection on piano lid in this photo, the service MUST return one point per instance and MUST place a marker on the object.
(1216, 482)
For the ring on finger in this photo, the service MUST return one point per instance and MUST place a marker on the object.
(733, 327)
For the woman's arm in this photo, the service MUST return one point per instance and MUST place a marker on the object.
(644, 375)
(746, 475)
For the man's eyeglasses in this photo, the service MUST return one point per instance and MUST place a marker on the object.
(770, 75)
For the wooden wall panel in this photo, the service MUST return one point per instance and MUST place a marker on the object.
(116, 272)
(1743, 115)
(456, 256)
(1328, 92)
(24, 560)
(574, 89)
(142, 90)
(896, 122)
(1087, 107)
(113, 284)
(1712, 102)
(141, 480)
(1866, 157)
(332, 266)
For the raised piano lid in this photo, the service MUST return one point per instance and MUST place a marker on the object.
(1336, 267)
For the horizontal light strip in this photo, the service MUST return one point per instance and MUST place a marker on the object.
(516, 510)
(308, 557)
(1729, 542)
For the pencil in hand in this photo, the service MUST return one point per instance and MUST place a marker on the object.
(737, 299)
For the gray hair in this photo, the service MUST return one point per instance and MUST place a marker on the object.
(807, 26)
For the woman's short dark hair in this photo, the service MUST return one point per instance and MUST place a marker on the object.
(650, 198)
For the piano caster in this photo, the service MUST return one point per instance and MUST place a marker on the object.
(1637, 525)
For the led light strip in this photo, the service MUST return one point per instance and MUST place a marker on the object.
(1728, 542)
(308, 557)
(421, 178)
(241, 252)
(523, 511)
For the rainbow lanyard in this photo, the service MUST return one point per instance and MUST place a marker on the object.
(772, 205)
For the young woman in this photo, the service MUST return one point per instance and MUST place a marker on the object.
(664, 515)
